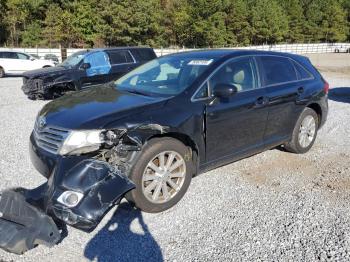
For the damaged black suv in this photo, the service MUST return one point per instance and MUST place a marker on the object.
(146, 135)
(84, 69)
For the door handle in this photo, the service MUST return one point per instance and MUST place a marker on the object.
(300, 90)
(261, 101)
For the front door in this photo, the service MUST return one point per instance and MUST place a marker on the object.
(99, 69)
(236, 125)
(24, 62)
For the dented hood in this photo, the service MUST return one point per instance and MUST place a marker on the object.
(96, 107)
(46, 72)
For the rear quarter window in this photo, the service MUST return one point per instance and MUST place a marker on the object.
(302, 73)
(277, 70)
(120, 57)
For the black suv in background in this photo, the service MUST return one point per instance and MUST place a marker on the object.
(84, 69)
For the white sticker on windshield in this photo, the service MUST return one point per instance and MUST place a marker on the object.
(201, 62)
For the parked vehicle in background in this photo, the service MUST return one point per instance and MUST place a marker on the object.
(84, 69)
(342, 49)
(51, 57)
(16, 63)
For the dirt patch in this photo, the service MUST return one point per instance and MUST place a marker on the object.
(334, 70)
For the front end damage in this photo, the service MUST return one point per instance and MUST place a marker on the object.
(46, 87)
(79, 192)
(79, 197)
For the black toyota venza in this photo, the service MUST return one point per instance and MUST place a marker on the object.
(146, 135)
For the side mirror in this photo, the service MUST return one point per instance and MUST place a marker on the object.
(222, 90)
(85, 66)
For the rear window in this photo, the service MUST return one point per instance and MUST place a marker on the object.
(120, 57)
(277, 70)
(302, 73)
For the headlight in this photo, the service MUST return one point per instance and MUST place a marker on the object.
(81, 142)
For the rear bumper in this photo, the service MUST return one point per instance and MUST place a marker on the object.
(324, 109)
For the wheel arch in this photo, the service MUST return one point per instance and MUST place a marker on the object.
(186, 140)
(317, 108)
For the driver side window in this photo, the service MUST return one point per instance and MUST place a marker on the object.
(22, 56)
(99, 62)
(239, 73)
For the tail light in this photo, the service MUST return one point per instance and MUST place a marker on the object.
(326, 87)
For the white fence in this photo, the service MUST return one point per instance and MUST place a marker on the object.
(291, 48)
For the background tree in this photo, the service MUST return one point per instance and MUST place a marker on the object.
(269, 22)
(237, 22)
(200, 23)
(3, 27)
(296, 20)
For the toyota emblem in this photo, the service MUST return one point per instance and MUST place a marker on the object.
(42, 122)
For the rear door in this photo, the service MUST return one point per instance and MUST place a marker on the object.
(122, 62)
(235, 126)
(9, 61)
(280, 80)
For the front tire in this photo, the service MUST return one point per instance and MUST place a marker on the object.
(304, 133)
(162, 175)
(2, 72)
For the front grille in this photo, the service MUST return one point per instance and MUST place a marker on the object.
(33, 84)
(49, 138)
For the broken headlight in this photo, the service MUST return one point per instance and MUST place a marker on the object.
(81, 142)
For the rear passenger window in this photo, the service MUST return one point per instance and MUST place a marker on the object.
(302, 72)
(143, 54)
(9, 55)
(277, 70)
(120, 57)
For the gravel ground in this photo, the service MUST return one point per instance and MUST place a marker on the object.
(272, 206)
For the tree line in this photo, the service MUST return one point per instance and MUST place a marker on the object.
(189, 23)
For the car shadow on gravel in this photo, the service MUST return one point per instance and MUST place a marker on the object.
(339, 94)
(116, 242)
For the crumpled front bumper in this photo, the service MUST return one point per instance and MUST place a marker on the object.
(32, 217)
(33, 87)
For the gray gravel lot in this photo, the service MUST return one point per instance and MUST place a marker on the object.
(272, 206)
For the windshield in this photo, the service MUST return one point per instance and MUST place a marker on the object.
(74, 59)
(165, 76)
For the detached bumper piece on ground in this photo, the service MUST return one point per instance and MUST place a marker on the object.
(80, 198)
(23, 226)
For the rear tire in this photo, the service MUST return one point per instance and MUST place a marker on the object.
(304, 133)
(2, 72)
(157, 152)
